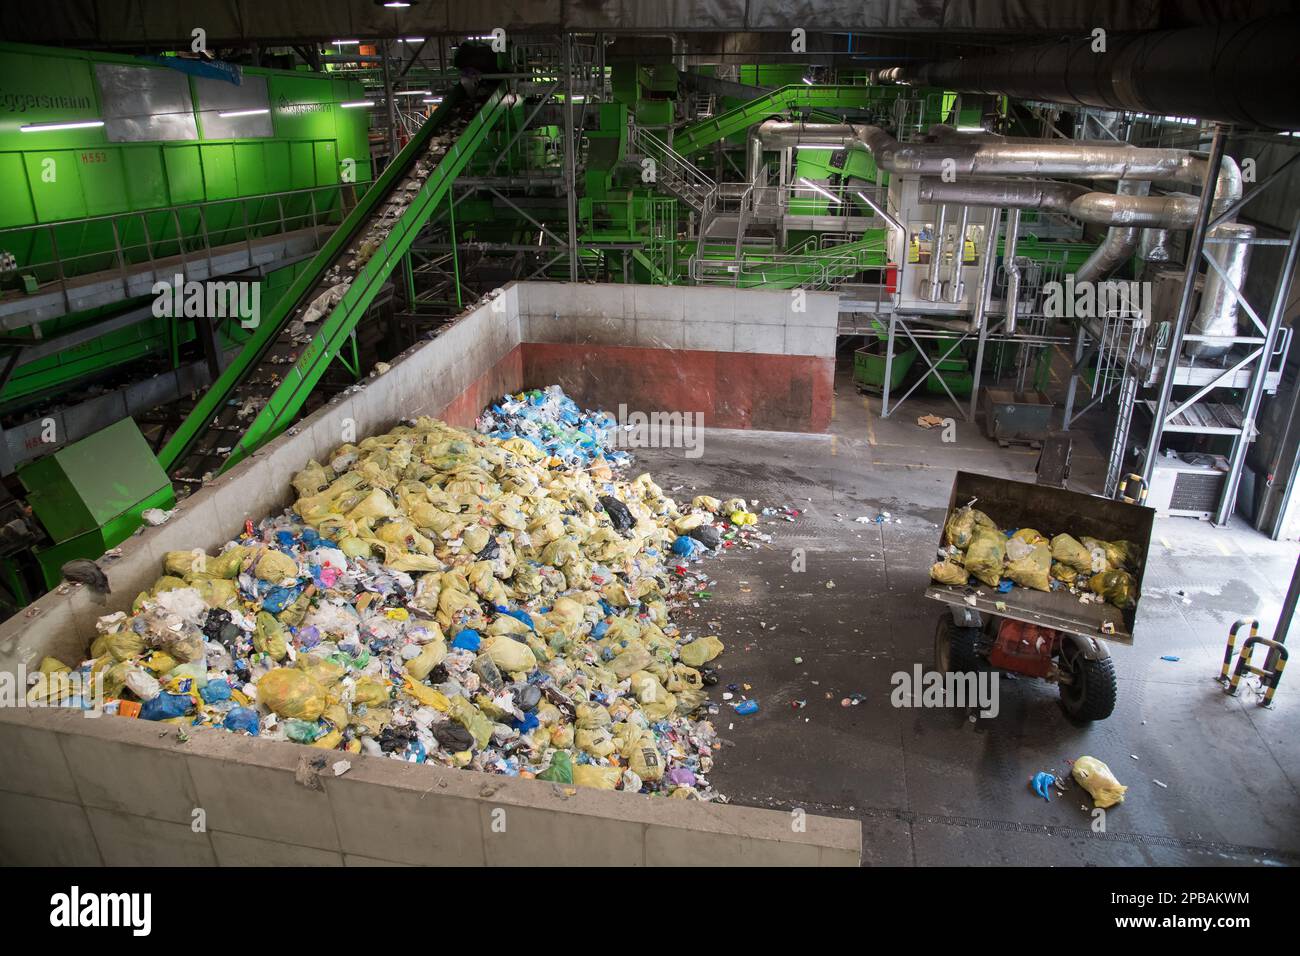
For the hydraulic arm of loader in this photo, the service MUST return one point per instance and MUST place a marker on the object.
(333, 332)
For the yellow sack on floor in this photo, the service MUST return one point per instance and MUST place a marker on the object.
(290, 692)
(700, 652)
(1095, 777)
(948, 572)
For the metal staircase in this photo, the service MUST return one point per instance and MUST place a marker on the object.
(674, 172)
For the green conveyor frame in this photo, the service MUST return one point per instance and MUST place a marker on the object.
(707, 132)
(287, 400)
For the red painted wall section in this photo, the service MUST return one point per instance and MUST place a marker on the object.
(731, 389)
(507, 375)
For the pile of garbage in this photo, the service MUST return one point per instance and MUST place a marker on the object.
(554, 423)
(977, 551)
(436, 595)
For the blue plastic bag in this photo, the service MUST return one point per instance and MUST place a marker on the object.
(468, 640)
(215, 690)
(166, 705)
(242, 719)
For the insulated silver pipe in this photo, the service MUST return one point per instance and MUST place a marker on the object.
(1120, 242)
(955, 284)
(1013, 270)
(1071, 199)
(989, 155)
(936, 255)
(986, 277)
(1217, 315)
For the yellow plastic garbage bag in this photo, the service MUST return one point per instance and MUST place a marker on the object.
(1116, 587)
(646, 761)
(431, 655)
(291, 692)
(1120, 555)
(269, 637)
(427, 696)
(472, 719)
(948, 572)
(510, 655)
(594, 740)
(598, 778)
(1029, 565)
(1070, 552)
(274, 566)
(700, 651)
(371, 691)
(1064, 573)
(961, 525)
(984, 557)
(1095, 777)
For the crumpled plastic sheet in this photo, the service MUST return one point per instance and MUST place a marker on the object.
(438, 595)
(552, 422)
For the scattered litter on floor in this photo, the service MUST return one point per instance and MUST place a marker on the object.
(929, 421)
(1172, 658)
(1162, 786)
(440, 595)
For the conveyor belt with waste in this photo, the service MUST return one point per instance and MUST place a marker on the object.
(261, 393)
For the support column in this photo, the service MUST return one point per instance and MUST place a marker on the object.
(1195, 247)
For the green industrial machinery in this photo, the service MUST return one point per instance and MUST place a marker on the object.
(89, 495)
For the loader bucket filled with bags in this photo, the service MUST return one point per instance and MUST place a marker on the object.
(498, 601)
(1039, 552)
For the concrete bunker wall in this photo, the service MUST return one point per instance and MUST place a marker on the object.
(112, 791)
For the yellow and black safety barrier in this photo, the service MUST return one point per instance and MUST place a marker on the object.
(1268, 678)
(1139, 496)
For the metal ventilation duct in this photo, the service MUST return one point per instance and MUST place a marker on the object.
(1231, 73)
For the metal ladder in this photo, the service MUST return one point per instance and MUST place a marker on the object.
(675, 173)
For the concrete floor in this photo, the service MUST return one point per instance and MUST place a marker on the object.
(929, 786)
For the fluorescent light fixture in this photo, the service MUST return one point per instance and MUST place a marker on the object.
(53, 127)
(815, 188)
(432, 99)
(352, 104)
(893, 223)
(412, 92)
(233, 113)
(412, 40)
(345, 42)
(816, 146)
(396, 4)
(808, 81)
(970, 129)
